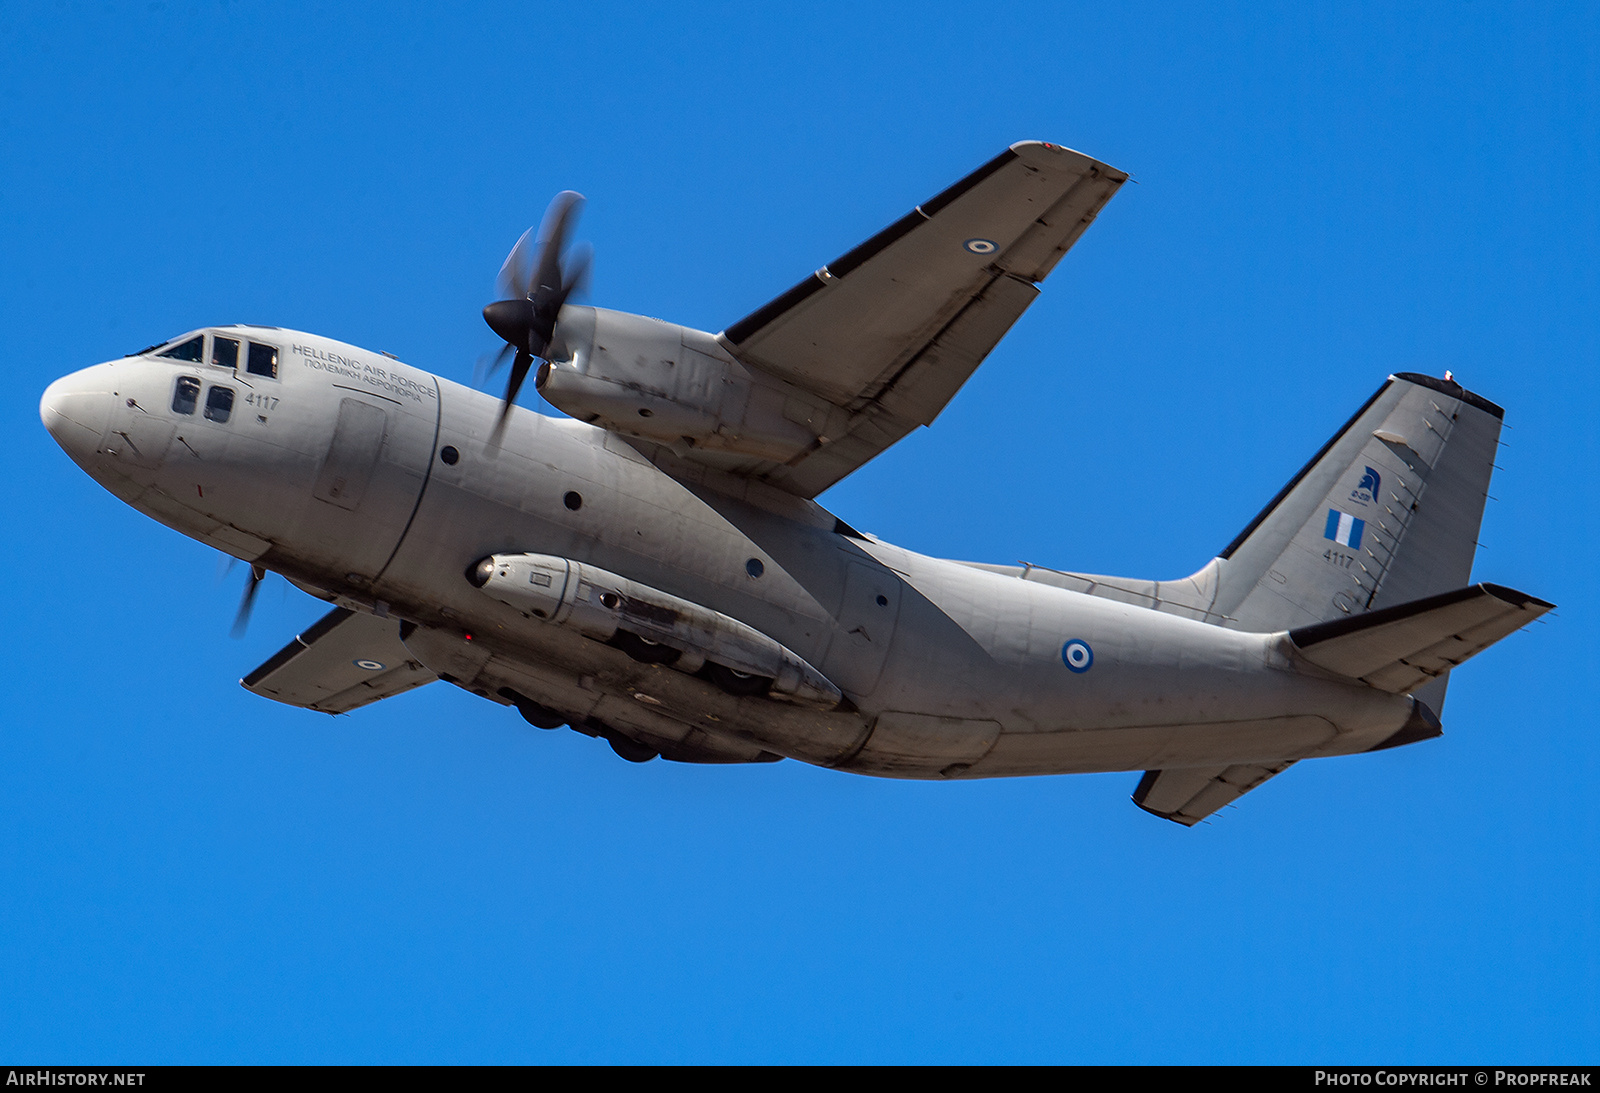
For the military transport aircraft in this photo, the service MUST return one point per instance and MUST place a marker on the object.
(654, 569)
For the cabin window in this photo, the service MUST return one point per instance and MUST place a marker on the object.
(190, 350)
(219, 404)
(225, 352)
(263, 360)
(186, 394)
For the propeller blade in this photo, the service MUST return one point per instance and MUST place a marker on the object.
(515, 272)
(577, 274)
(241, 621)
(519, 372)
(558, 219)
(551, 284)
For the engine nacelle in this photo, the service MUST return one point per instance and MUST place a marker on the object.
(607, 608)
(678, 386)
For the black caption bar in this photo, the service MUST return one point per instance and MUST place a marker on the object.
(1321, 1077)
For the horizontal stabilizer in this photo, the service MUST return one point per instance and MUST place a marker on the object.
(1187, 795)
(1400, 648)
(346, 661)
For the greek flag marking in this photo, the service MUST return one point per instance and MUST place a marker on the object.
(1344, 529)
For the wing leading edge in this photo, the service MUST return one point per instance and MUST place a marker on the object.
(891, 330)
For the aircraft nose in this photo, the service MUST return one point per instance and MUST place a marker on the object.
(75, 410)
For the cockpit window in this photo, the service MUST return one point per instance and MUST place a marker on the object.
(185, 395)
(263, 360)
(190, 350)
(219, 404)
(224, 352)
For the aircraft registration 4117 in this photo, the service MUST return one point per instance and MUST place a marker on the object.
(654, 569)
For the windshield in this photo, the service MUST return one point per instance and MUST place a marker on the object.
(190, 350)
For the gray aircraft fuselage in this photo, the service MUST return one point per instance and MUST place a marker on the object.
(376, 486)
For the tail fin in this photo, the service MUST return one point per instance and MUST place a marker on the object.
(1386, 513)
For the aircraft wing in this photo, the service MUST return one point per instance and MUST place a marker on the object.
(890, 331)
(346, 661)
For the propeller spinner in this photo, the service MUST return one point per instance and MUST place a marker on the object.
(535, 289)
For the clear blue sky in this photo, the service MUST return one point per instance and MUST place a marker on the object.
(189, 873)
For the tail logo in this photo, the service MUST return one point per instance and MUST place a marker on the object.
(1344, 529)
(1367, 491)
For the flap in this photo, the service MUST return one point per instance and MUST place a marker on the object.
(1400, 648)
(1187, 795)
(346, 661)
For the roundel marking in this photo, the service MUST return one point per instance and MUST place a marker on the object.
(981, 246)
(369, 665)
(1077, 656)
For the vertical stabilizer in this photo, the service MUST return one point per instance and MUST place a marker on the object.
(1387, 512)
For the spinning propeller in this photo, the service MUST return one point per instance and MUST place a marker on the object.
(247, 602)
(534, 290)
